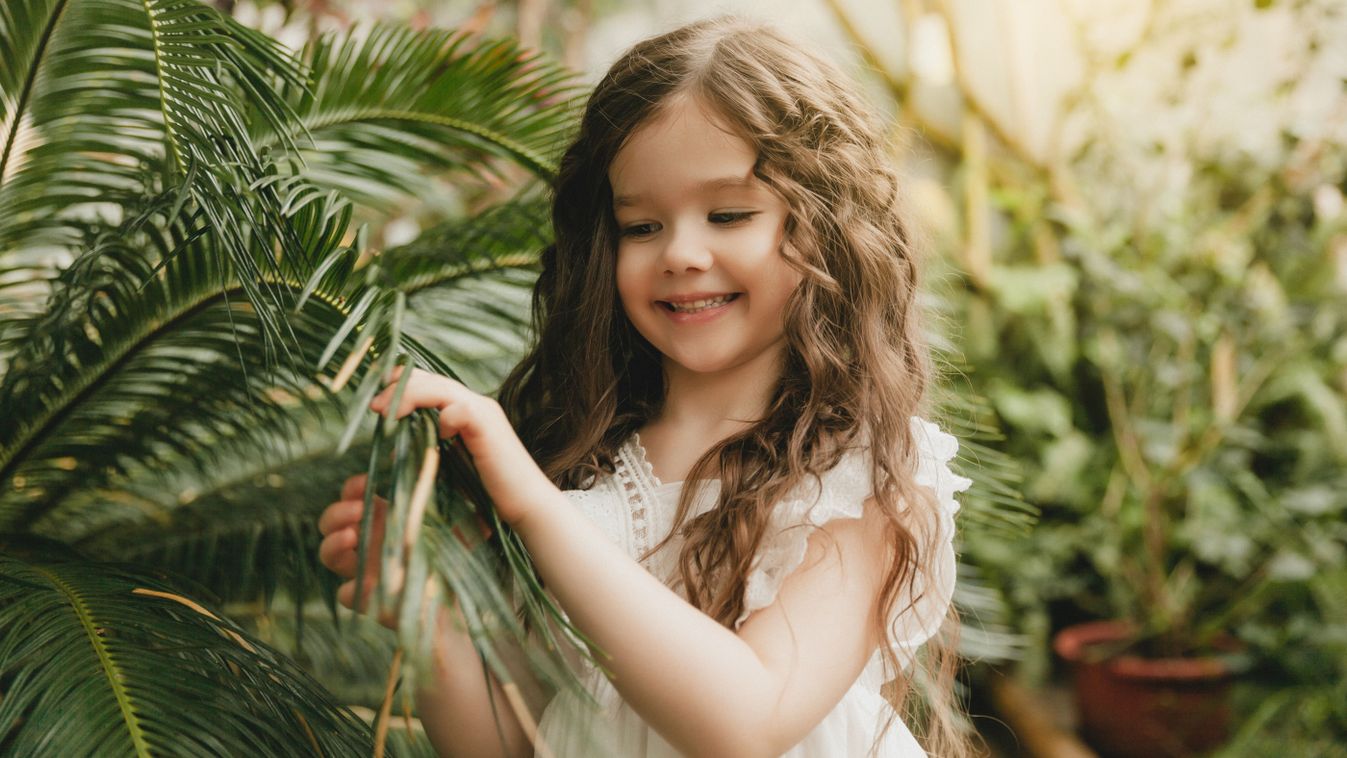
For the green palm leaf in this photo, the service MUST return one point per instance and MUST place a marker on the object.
(470, 285)
(100, 658)
(348, 653)
(244, 531)
(232, 506)
(389, 106)
(170, 248)
(106, 101)
(99, 96)
(112, 373)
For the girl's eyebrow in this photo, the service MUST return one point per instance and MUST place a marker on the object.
(726, 182)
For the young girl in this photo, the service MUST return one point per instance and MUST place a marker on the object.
(712, 453)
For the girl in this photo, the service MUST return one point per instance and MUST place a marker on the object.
(711, 453)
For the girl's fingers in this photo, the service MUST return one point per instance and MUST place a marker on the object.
(340, 514)
(348, 512)
(346, 593)
(344, 564)
(354, 487)
(333, 549)
(338, 553)
(346, 596)
(385, 396)
(423, 390)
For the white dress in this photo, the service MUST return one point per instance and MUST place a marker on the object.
(635, 510)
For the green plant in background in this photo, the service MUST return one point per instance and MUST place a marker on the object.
(1158, 315)
(1177, 392)
(1191, 445)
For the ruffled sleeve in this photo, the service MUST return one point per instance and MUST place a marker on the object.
(841, 493)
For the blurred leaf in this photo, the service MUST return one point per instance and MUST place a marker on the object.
(101, 658)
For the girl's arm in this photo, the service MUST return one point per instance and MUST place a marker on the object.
(461, 721)
(455, 706)
(708, 690)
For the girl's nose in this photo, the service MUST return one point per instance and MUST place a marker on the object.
(684, 251)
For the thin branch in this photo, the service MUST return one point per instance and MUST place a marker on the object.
(530, 16)
(974, 102)
(1129, 449)
(899, 87)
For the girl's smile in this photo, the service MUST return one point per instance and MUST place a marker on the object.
(697, 309)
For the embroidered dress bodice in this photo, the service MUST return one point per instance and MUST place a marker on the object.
(635, 510)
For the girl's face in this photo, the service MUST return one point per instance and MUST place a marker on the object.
(699, 266)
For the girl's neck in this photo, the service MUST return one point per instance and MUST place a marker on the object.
(714, 405)
(703, 408)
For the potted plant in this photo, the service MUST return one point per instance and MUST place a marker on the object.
(1185, 454)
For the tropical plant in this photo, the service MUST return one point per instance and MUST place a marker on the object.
(169, 183)
(1193, 441)
(180, 256)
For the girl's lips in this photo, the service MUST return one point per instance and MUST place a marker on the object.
(706, 314)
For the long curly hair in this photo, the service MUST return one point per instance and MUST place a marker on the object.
(856, 365)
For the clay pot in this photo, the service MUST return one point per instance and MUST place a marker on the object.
(1133, 706)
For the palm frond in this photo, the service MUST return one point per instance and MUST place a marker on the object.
(992, 508)
(390, 106)
(985, 632)
(994, 502)
(434, 543)
(172, 231)
(102, 95)
(112, 100)
(231, 502)
(100, 658)
(69, 136)
(348, 653)
(111, 372)
(243, 531)
(470, 286)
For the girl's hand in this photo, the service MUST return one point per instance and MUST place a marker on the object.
(508, 472)
(340, 525)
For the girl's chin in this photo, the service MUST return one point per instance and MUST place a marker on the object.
(702, 364)
(697, 364)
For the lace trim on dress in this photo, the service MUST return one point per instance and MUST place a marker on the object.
(636, 480)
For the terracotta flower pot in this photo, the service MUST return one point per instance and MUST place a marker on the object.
(1133, 706)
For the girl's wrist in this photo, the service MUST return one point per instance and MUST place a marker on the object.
(541, 512)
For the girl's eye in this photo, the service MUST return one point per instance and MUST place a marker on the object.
(638, 230)
(731, 217)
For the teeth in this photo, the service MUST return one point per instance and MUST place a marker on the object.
(699, 305)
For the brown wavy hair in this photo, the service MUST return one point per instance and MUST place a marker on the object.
(856, 365)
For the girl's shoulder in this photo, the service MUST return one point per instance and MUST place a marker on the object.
(850, 478)
(850, 482)
(842, 488)
(841, 493)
